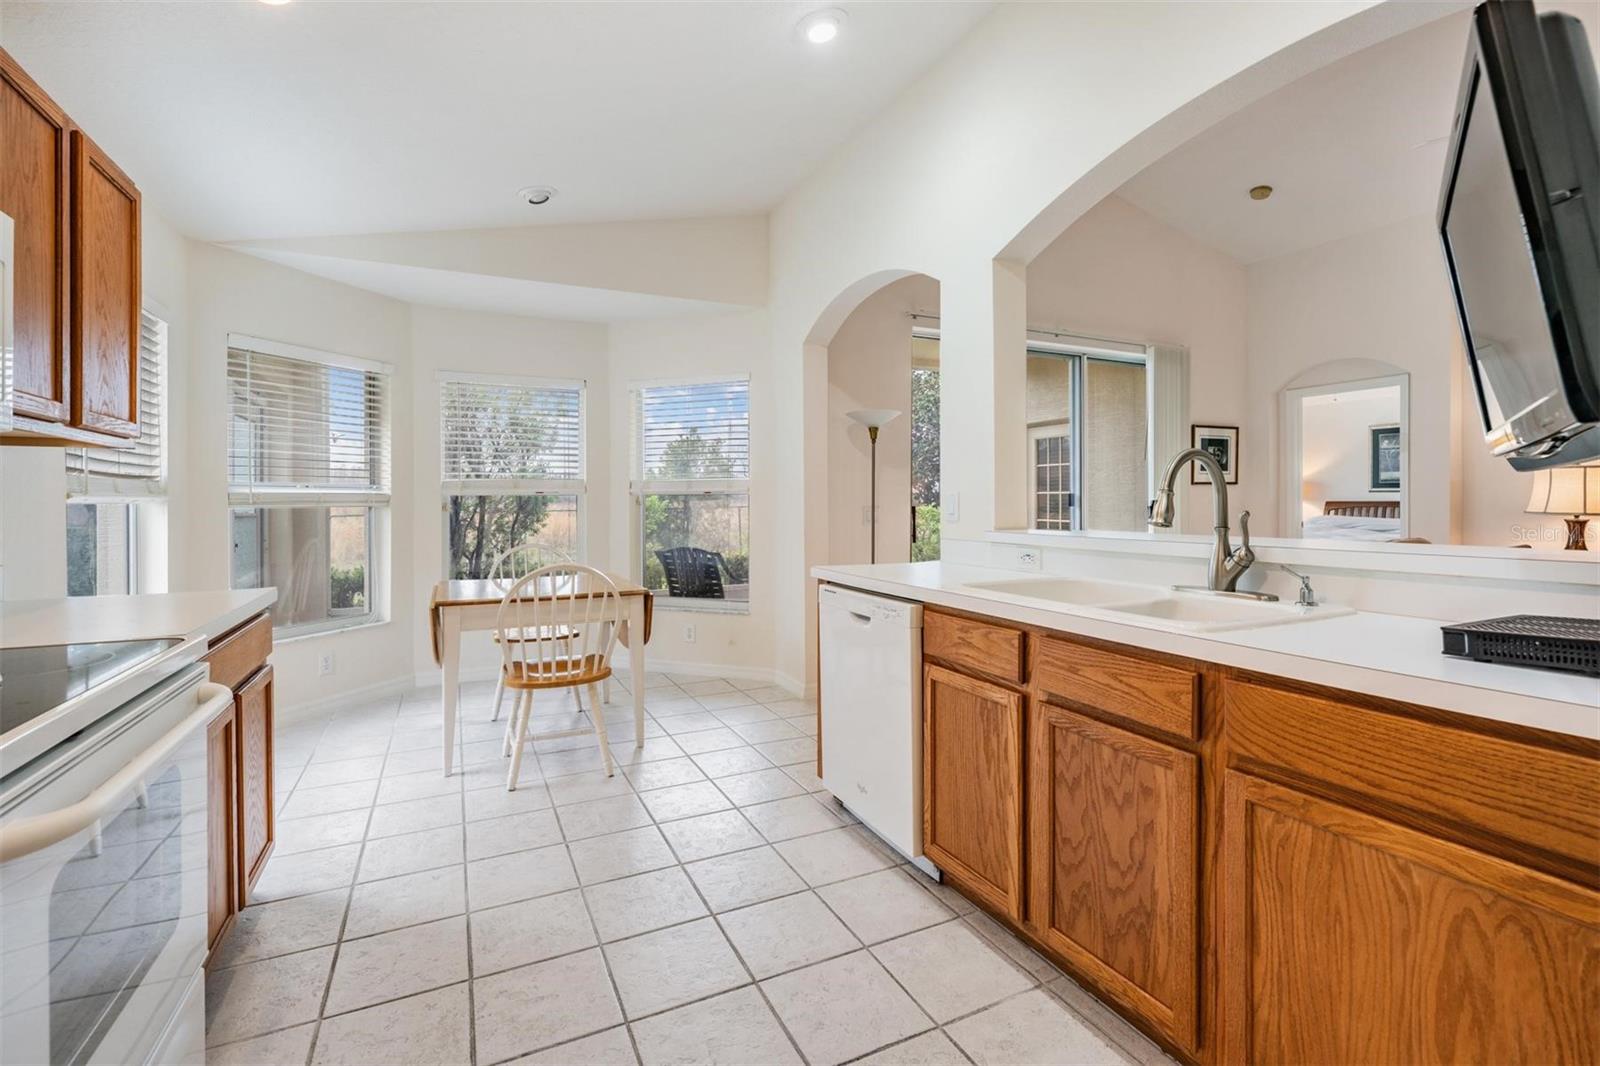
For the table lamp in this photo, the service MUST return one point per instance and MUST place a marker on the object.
(1570, 491)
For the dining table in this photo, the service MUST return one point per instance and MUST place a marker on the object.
(473, 605)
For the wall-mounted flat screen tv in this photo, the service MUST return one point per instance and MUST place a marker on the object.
(1519, 214)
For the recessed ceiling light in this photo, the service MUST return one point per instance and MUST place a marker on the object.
(820, 27)
(536, 195)
(274, 3)
(1260, 192)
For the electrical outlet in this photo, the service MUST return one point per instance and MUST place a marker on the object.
(866, 514)
(1027, 558)
(325, 664)
(688, 634)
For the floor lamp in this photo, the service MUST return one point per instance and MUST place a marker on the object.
(874, 418)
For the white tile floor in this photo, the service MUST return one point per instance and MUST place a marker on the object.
(708, 904)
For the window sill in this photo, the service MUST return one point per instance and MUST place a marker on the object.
(312, 630)
(687, 606)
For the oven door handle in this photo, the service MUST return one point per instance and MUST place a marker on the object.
(28, 835)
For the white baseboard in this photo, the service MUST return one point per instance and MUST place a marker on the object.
(298, 711)
(803, 689)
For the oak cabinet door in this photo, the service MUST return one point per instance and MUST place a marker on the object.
(972, 784)
(1114, 859)
(1352, 939)
(221, 838)
(105, 293)
(253, 704)
(34, 192)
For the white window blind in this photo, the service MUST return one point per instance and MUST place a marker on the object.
(504, 434)
(692, 432)
(139, 470)
(303, 430)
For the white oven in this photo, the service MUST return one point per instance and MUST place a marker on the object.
(103, 885)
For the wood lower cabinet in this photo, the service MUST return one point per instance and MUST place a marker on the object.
(253, 705)
(241, 768)
(972, 784)
(1255, 870)
(1114, 862)
(1350, 938)
(222, 841)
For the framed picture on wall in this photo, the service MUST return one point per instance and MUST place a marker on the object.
(1220, 441)
(1385, 458)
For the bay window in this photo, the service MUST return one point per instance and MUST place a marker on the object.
(308, 481)
(512, 469)
(112, 491)
(691, 491)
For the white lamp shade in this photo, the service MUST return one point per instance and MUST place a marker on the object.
(1567, 490)
(873, 417)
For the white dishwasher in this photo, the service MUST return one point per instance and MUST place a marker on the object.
(870, 650)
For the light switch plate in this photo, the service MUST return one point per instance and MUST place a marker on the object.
(950, 506)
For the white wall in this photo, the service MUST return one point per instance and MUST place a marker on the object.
(1336, 446)
(738, 343)
(1030, 120)
(1120, 273)
(473, 342)
(869, 365)
(1381, 299)
(234, 293)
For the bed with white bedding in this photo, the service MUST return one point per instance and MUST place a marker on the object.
(1351, 527)
(1368, 520)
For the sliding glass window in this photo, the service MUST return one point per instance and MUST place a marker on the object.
(1088, 441)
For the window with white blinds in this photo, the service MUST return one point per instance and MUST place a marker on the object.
(692, 432)
(691, 489)
(504, 434)
(511, 462)
(305, 428)
(139, 470)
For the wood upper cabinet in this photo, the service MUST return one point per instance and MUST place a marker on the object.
(1349, 938)
(34, 191)
(76, 262)
(105, 293)
(972, 784)
(1114, 863)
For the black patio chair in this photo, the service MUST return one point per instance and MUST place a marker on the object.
(693, 573)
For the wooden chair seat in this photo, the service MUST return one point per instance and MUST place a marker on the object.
(558, 673)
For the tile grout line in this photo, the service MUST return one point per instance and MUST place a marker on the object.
(333, 963)
(338, 945)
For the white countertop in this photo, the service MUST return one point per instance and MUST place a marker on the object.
(1391, 656)
(91, 619)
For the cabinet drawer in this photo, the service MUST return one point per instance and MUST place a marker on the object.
(1528, 803)
(1154, 694)
(982, 647)
(240, 653)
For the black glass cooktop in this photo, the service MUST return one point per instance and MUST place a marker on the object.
(34, 681)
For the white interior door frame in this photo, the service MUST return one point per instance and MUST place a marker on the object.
(1290, 445)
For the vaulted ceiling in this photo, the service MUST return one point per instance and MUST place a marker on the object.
(249, 121)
